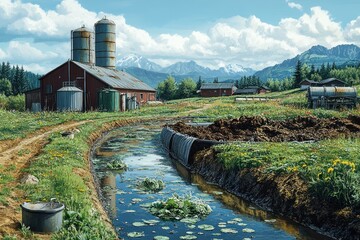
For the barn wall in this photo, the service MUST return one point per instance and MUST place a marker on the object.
(31, 97)
(59, 75)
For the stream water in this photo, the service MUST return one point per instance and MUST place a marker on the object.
(140, 148)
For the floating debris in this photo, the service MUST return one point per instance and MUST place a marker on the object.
(190, 220)
(136, 200)
(237, 220)
(242, 224)
(129, 211)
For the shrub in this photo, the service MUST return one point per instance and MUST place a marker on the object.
(16, 103)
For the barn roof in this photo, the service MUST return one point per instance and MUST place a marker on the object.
(115, 78)
(217, 86)
(330, 80)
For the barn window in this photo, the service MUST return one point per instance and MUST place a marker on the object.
(48, 88)
(141, 96)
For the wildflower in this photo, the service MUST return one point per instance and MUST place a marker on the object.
(327, 179)
(319, 175)
(330, 170)
(304, 165)
(336, 161)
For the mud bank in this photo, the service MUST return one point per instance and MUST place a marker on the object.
(286, 195)
(260, 129)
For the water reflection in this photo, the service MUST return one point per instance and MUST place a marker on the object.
(141, 150)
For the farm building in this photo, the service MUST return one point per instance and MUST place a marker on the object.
(217, 89)
(330, 82)
(252, 90)
(89, 81)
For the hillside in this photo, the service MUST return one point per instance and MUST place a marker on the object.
(317, 55)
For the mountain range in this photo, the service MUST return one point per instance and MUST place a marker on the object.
(341, 55)
(152, 73)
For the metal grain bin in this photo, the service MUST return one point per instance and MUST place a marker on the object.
(69, 99)
(105, 43)
(109, 100)
(82, 45)
(123, 102)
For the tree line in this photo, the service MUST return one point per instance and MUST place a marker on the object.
(14, 80)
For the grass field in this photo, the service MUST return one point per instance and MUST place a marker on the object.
(331, 164)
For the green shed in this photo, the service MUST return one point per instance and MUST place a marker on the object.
(109, 100)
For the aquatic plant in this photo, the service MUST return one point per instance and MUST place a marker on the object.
(177, 208)
(150, 185)
(116, 165)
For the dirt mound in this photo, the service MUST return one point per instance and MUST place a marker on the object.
(302, 128)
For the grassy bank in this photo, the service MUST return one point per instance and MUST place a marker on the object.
(64, 172)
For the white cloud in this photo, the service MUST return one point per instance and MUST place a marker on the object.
(295, 5)
(246, 41)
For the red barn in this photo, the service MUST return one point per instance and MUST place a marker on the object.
(91, 79)
(217, 89)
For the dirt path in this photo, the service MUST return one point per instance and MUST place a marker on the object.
(205, 107)
(15, 156)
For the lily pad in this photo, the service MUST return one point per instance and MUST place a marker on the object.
(191, 226)
(165, 227)
(270, 220)
(129, 211)
(161, 238)
(237, 220)
(222, 226)
(228, 230)
(187, 237)
(248, 230)
(206, 227)
(231, 222)
(138, 224)
(190, 220)
(151, 222)
(136, 234)
(242, 224)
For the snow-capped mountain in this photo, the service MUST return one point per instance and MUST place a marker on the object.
(134, 60)
(233, 69)
(183, 68)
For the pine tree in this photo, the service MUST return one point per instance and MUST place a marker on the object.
(298, 74)
(199, 83)
(216, 80)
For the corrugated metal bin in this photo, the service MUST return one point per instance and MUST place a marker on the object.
(69, 99)
(109, 100)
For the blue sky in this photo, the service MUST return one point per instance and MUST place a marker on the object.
(252, 33)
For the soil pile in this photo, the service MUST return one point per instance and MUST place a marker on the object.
(302, 128)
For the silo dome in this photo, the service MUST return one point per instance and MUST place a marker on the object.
(105, 43)
(82, 45)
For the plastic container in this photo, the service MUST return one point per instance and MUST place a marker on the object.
(43, 216)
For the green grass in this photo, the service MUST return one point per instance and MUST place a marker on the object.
(55, 166)
(311, 161)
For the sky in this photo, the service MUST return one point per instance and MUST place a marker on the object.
(251, 33)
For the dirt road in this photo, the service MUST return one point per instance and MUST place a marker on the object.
(16, 155)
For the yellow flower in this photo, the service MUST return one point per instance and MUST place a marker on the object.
(330, 170)
(327, 179)
(304, 165)
(336, 161)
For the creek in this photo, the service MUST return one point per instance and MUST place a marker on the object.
(139, 146)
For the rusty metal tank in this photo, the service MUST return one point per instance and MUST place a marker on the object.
(105, 43)
(82, 45)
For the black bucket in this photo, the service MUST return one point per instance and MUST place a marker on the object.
(42, 217)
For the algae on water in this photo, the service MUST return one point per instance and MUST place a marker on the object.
(151, 185)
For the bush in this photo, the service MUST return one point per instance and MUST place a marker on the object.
(16, 103)
(3, 101)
